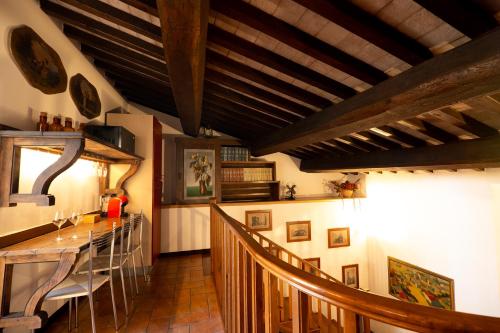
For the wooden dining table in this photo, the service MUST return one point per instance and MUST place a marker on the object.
(43, 249)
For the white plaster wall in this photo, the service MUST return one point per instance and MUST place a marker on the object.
(20, 105)
(448, 223)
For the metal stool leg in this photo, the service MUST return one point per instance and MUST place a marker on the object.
(124, 292)
(113, 298)
(92, 318)
(70, 302)
(135, 273)
(146, 276)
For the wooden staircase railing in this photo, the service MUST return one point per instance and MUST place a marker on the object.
(262, 287)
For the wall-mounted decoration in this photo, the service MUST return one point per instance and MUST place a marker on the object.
(339, 237)
(85, 96)
(316, 262)
(259, 220)
(40, 65)
(199, 175)
(298, 231)
(290, 191)
(413, 284)
(350, 275)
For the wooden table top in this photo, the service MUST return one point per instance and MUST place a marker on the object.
(47, 243)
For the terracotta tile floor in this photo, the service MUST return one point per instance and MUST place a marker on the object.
(180, 298)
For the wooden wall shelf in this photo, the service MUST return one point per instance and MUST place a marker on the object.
(71, 146)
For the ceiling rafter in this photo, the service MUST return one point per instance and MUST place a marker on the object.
(470, 70)
(298, 39)
(464, 15)
(467, 154)
(370, 28)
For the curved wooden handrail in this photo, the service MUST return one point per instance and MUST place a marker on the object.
(405, 315)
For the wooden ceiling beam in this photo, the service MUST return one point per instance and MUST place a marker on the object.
(223, 125)
(113, 49)
(370, 28)
(431, 130)
(256, 92)
(467, 123)
(148, 6)
(359, 144)
(467, 154)
(345, 147)
(120, 17)
(379, 140)
(112, 72)
(239, 113)
(184, 34)
(234, 117)
(279, 123)
(294, 37)
(244, 100)
(240, 69)
(278, 62)
(470, 70)
(466, 16)
(403, 137)
(75, 19)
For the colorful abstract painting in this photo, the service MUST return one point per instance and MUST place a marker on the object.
(413, 284)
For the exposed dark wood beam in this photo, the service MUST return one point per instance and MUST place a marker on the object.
(244, 100)
(467, 154)
(358, 143)
(403, 137)
(467, 123)
(345, 147)
(370, 28)
(244, 111)
(466, 16)
(235, 118)
(277, 62)
(148, 6)
(120, 17)
(75, 19)
(184, 35)
(432, 131)
(296, 38)
(251, 90)
(470, 70)
(379, 140)
(113, 72)
(228, 64)
(226, 126)
(114, 49)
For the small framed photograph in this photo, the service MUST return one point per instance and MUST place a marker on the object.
(316, 262)
(298, 231)
(350, 275)
(259, 220)
(339, 237)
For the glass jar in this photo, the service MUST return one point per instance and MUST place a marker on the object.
(68, 125)
(56, 125)
(43, 124)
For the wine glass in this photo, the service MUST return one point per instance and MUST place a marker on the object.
(75, 219)
(58, 222)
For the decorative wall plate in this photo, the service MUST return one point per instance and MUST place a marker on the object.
(85, 96)
(39, 63)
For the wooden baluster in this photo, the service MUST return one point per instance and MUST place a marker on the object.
(366, 324)
(300, 313)
(339, 320)
(259, 299)
(281, 292)
(290, 259)
(241, 287)
(271, 302)
(350, 322)
(234, 306)
(225, 276)
(252, 313)
(329, 309)
(246, 294)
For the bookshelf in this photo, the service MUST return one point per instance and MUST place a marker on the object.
(248, 181)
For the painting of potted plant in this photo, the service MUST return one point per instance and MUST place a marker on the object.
(199, 173)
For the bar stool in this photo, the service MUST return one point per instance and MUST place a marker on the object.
(77, 285)
(137, 220)
(107, 260)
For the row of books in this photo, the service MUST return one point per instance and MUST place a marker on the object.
(234, 154)
(247, 174)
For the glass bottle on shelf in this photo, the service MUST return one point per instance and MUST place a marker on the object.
(68, 125)
(43, 124)
(56, 125)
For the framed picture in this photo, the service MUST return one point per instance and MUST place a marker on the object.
(298, 231)
(199, 174)
(339, 237)
(259, 220)
(85, 96)
(314, 261)
(413, 284)
(350, 275)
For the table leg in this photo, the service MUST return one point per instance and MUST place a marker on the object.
(63, 270)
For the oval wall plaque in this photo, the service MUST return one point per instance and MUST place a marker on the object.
(39, 63)
(85, 96)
